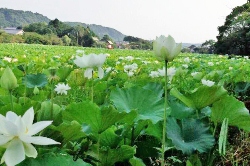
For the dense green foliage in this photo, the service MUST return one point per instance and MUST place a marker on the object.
(100, 30)
(117, 119)
(16, 18)
(138, 43)
(234, 36)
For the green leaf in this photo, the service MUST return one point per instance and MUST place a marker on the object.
(233, 109)
(180, 111)
(190, 136)
(63, 73)
(109, 156)
(145, 102)
(45, 112)
(223, 137)
(53, 160)
(200, 97)
(193, 160)
(35, 80)
(136, 162)
(147, 146)
(70, 131)
(89, 113)
(155, 87)
(110, 138)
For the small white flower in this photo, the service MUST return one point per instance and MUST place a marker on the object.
(162, 72)
(185, 66)
(132, 67)
(130, 73)
(230, 68)
(62, 88)
(16, 134)
(207, 82)
(118, 62)
(187, 60)
(170, 72)
(80, 51)
(194, 74)
(210, 63)
(108, 69)
(145, 62)
(154, 74)
(246, 57)
(7, 59)
(129, 58)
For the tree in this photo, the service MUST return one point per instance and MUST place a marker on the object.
(106, 38)
(208, 47)
(66, 40)
(87, 41)
(234, 35)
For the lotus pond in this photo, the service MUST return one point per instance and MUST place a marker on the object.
(117, 119)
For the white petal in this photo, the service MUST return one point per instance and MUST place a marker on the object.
(11, 116)
(38, 140)
(28, 117)
(170, 44)
(2, 126)
(100, 72)
(4, 139)
(81, 61)
(11, 128)
(30, 150)
(88, 73)
(37, 127)
(14, 153)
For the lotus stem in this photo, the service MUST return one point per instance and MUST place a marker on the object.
(92, 87)
(51, 98)
(164, 115)
(11, 101)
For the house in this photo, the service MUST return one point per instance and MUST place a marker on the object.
(13, 31)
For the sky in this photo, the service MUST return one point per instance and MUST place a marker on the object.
(187, 21)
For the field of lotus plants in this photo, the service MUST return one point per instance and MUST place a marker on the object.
(88, 106)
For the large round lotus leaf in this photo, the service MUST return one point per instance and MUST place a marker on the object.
(190, 135)
(35, 80)
(147, 103)
(233, 109)
(200, 97)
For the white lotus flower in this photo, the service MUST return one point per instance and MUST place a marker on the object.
(62, 88)
(194, 74)
(16, 135)
(187, 60)
(154, 74)
(129, 58)
(210, 63)
(185, 66)
(207, 82)
(165, 48)
(90, 62)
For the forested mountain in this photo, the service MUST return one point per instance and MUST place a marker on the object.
(15, 18)
(101, 30)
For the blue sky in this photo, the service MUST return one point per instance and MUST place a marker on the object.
(193, 21)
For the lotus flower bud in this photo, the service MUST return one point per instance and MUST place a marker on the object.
(36, 90)
(8, 80)
(165, 48)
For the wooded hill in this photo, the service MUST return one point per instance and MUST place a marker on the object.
(16, 18)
